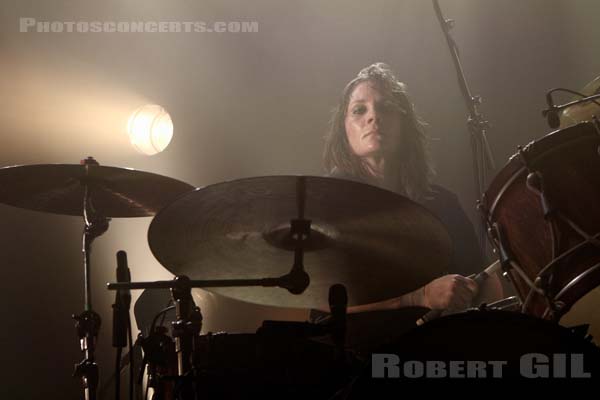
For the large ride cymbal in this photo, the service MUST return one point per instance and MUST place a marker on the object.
(375, 242)
(115, 192)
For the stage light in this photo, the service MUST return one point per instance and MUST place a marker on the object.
(150, 129)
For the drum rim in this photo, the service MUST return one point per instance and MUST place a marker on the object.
(565, 291)
(537, 148)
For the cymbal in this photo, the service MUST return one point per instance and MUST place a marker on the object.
(375, 242)
(584, 111)
(116, 192)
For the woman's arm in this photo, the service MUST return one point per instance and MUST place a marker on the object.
(452, 292)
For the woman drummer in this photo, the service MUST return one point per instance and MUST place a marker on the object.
(376, 137)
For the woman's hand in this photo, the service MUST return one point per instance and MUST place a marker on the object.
(450, 292)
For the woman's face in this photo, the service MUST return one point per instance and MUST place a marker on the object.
(372, 122)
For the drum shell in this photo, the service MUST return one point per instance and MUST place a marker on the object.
(569, 166)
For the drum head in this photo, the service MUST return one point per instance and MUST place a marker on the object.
(478, 346)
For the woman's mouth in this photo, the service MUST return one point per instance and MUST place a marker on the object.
(372, 133)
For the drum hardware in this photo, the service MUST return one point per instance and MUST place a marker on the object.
(338, 303)
(553, 215)
(122, 303)
(511, 303)
(495, 236)
(88, 322)
(545, 275)
(555, 253)
(159, 356)
(157, 348)
(122, 325)
(535, 183)
(541, 283)
(96, 193)
(88, 326)
(507, 261)
(181, 285)
(573, 283)
(584, 111)
(340, 230)
(551, 113)
(186, 332)
(282, 282)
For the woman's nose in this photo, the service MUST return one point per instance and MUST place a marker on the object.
(373, 116)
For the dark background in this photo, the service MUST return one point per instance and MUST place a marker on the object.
(243, 104)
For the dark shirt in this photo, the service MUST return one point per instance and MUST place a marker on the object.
(468, 258)
(369, 330)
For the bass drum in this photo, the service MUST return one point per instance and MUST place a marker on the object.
(542, 214)
(479, 346)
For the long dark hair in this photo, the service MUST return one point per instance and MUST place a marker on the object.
(412, 163)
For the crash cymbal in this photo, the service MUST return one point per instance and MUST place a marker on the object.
(584, 111)
(375, 242)
(116, 192)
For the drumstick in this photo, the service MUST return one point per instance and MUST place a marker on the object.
(479, 278)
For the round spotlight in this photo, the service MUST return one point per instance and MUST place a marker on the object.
(150, 129)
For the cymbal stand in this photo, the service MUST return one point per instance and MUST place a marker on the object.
(88, 322)
(338, 305)
(297, 280)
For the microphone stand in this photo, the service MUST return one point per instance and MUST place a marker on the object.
(483, 160)
(187, 327)
(186, 331)
(121, 324)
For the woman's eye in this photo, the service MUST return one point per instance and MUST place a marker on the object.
(358, 110)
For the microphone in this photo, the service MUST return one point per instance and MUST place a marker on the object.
(479, 279)
(552, 112)
(338, 304)
(122, 303)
